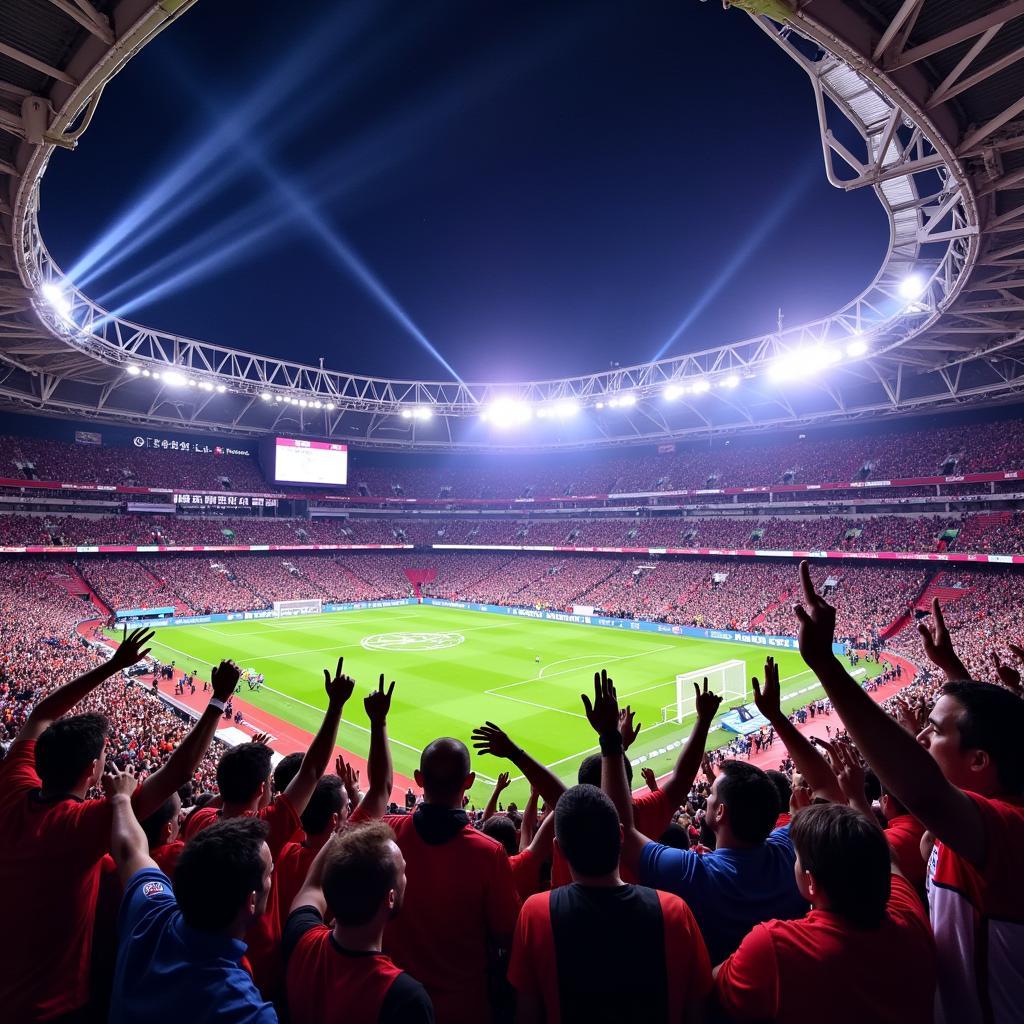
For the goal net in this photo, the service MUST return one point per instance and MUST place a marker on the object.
(308, 607)
(728, 679)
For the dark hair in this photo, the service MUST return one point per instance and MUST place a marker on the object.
(286, 770)
(849, 858)
(992, 721)
(444, 765)
(590, 770)
(587, 830)
(359, 870)
(782, 786)
(154, 824)
(873, 788)
(751, 799)
(502, 828)
(328, 798)
(675, 836)
(67, 748)
(218, 869)
(242, 770)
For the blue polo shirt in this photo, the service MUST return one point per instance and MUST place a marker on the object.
(168, 972)
(729, 891)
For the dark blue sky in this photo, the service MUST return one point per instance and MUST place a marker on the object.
(543, 187)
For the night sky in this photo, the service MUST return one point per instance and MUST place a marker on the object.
(542, 188)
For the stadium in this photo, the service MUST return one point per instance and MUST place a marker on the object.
(800, 556)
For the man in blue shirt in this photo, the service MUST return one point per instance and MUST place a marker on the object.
(180, 952)
(748, 878)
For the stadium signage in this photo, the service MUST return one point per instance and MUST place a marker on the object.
(168, 444)
(264, 613)
(193, 499)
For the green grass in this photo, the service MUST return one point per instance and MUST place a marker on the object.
(490, 675)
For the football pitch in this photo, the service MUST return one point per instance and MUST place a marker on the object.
(457, 669)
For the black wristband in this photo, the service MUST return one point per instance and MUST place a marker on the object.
(611, 743)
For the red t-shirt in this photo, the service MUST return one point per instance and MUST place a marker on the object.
(625, 953)
(903, 833)
(652, 814)
(290, 870)
(978, 918)
(820, 967)
(50, 858)
(264, 935)
(460, 894)
(526, 867)
(167, 856)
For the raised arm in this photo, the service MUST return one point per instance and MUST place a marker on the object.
(490, 739)
(939, 647)
(501, 783)
(807, 761)
(380, 774)
(904, 767)
(311, 894)
(528, 825)
(57, 704)
(128, 843)
(181, 765)
(677, 786)
(318, 756)
(603, 715)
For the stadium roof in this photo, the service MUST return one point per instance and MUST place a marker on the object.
(920, 100)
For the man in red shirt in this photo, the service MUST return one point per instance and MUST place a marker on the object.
(786, 971)
(599, 948)
(963, 779)
(53, 840)
(461, 901)
(339, 975)
(243, 777)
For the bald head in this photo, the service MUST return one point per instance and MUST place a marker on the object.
(444, 771)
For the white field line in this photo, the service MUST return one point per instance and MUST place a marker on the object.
(496, 691)
(568, 661)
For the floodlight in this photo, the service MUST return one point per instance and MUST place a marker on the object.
(278, 398)
(317, 404)
(191, 383)
(508, 412)
(700, 386)
(266, 396)
(600, 405)
(912, 286)
(422, 412)
(221, 388)
(205, 385)
(330, 405)
(672, 392)
(565, 409)
(732, 381)
(407, 414)
(146, 373)
(134, 371)
(303, 403)
(856, 348)
(627, 400)
(57, 299)
(173, 378)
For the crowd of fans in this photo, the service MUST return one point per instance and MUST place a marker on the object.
(873, 877)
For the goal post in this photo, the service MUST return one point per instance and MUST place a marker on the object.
(728, 679)
(310, 606)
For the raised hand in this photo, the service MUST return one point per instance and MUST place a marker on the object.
(850, 772)
(603, 713)
(349, 776)
(263, 738)
(1008, 675)
(118, 783)
(503, 781)
(131, 650)
(769, 699)
(224, 678)
(707, 702)
(340, 688)
(938, 646)
(817, 622)
(708, 769)
(907, 716)
(650, 778)
(627, 730)
(378, 703)
(491, 739)
(799, 799)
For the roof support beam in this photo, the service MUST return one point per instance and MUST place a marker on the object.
(969, 30)
(88, 17)
(36, 65)
(905, 18)
(996, 123)
(947, 90)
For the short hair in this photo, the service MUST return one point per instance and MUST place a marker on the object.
(154, 824)
(590, 770)
(67, 748)
(675, 836)
(359, 870)
(242, 770)
(328, 798)
(849, 857)
(286, 770)
(587, 830)
(782, 786)
(218, 869)
(992, 721)
(502, 828)
(444, 765)
(751, 799)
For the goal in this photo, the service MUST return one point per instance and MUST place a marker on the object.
(307, 607)
(728, 679)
